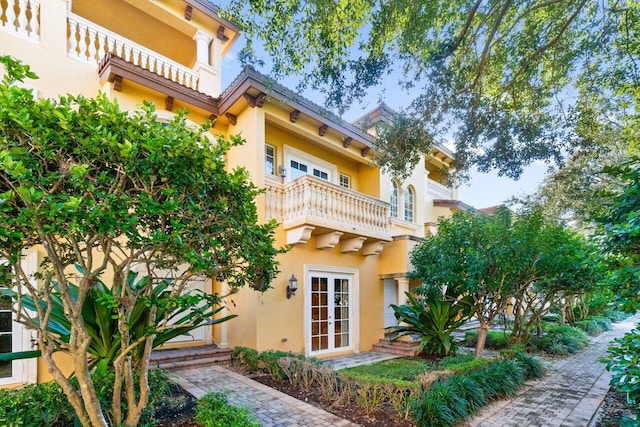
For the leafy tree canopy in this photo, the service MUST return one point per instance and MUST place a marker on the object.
(497, 77)
(114, 192)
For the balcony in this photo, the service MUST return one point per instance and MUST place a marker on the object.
(88, 42)
(435, 190)
(21, 18)
(311, 206)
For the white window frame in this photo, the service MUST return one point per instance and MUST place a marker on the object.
(409, 204)
(394, 199)
(24, 371)
(273, 160)
(312, 162)
(345, 180)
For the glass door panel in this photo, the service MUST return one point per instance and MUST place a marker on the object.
(330, 313)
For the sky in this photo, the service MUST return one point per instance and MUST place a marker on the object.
(482, 189)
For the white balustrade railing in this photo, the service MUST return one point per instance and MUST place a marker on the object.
(21, 17)
(90, 43)
(311, 200)
(435, 190)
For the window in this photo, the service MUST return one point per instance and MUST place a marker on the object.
(345, 181)
(269, 160)
(408, 204)
(394, 199)
(301, 167)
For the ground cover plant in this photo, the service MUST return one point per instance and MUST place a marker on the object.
(400, 387)
(496, 340)
(560, 340)
(213, 410)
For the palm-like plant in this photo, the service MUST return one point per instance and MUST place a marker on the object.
(434, 319)
(174, 316)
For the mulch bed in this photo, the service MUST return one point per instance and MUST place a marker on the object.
(352, 413)
(613, 409)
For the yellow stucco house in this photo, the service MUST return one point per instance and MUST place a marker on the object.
(350, 226)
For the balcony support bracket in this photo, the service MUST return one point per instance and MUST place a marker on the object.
(373, 248)
(329, 240)
(352, 245)
(299, 235)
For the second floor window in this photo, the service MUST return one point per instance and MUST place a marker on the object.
(394, 199)
(269, 160)
(345, 181)
(409, 204)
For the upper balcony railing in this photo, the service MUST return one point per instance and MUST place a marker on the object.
(435, 190)
(308, 200)
(21, 17)
(89, 42)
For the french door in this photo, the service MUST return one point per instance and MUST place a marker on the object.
(331, 312)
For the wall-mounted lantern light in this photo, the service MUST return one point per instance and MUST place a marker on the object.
(292, 287)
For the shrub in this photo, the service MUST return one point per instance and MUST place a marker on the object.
(496, 340)
(624, 365)
(213, 410)
(448, 401)
(560, 340)
(247, 357)
(267, 361)
(33, 405)
(594, 325)
(46, 404)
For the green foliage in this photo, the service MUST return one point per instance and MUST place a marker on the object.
(450, 400)
(114, 191)
(46, 404)
(593, 325)
(486, 75)
(496, 340)
(619, 227)
(434, 319)
(266, 361)
(624, 364)
(213, 410)
(467, 365)
(100, 317)
(402, 369)
(560, 340)
(33, 405)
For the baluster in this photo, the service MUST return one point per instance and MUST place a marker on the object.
(10, 14)
(102, 49)
(181, 79)
(152, 65)
(127, 53)
(144, 58)
(35, 19)
(165, 69)
(73, 40)
(21, 16)
(119, 49)
(82, 41)
(135, 56)
(91, 46)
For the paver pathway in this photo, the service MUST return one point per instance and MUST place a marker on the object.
(567, 397)
(270, 407)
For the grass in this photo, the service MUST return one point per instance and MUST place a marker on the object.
(400, 369)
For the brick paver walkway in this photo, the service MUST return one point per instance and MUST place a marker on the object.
(568, 396)
(270, 407)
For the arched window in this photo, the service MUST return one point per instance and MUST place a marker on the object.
(394, 199)
(409, 204)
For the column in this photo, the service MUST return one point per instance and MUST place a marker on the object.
(403, 288)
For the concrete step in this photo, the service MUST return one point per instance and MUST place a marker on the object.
(189, 357)
(401, 348)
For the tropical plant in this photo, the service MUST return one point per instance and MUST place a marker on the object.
(432, 318)
(100, 316)
(116, 191)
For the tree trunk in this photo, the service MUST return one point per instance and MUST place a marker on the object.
(482, 339)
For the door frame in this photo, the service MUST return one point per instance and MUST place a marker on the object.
(24, 371)
(354, 305)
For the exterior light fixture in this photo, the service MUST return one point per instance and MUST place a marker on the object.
(292, 287)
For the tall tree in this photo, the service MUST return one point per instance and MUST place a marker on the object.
(496, 76)
(113, 192)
